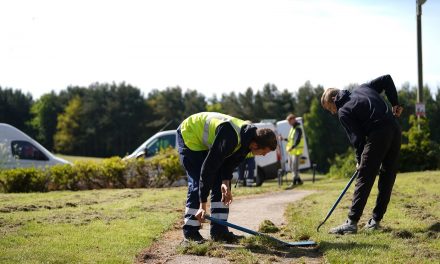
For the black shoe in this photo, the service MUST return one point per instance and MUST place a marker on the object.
(193, 236)
(297, 181)
(227, 237)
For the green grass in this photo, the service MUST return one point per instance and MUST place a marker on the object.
(113, 226)
(410, 227)
(107, 226)
(78, 158)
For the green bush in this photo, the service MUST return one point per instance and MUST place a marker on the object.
(344, 165)
(161, 170)
(420, 153)
(23, 180)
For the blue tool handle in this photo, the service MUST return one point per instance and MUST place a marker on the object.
(339, 198)
(249, 231)
(225, 223)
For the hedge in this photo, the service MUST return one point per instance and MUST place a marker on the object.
(159, 171)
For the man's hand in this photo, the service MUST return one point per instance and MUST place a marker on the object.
(226, 192)
(397, 110)
(200, 215)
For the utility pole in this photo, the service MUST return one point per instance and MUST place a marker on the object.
(420, 107)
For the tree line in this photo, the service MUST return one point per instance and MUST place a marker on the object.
(106, 120)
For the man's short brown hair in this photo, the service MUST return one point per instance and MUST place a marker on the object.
(266, 138)
(290, 116)
(327, 96)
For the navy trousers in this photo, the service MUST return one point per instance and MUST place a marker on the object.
(192, 161)
(246, 171)
(380, 155)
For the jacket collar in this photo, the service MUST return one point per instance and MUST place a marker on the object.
(341, 98)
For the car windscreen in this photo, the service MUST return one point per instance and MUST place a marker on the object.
(24, 150)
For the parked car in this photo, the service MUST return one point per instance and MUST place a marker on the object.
(18, 150)
(266, 166)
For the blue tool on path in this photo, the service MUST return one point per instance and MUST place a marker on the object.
(339, 199)
(252, 232)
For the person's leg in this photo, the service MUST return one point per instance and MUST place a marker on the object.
(218, 209)
(296, 178)
(250, 179)
(291, 166)
(387, 175)
(192, 162)
(377, 144)
(241, 170)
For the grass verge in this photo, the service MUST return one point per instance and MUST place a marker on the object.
(410, 231)
(107, 226)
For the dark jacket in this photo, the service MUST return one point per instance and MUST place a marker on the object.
(220, 160)
(364, 109)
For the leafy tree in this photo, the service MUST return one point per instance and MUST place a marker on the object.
(420, 153)
(193, 102)
(214, 105)
(45, 112)
(15, 109)
(66, 139)
(231, 105)
(167, 108)
(304, 97)
(325, 135)
(246, 101)
(434, 118)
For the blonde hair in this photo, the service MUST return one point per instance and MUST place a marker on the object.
(327, 96)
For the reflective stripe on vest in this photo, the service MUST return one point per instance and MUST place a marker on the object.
(298, 150)
(198, 130)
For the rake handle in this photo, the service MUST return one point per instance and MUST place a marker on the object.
(339, 199)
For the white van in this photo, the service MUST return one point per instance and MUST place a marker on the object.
(18, 150)
(266, 166)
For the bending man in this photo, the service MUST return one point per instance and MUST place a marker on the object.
(211, 145)
(376, 136)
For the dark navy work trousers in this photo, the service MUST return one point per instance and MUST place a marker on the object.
(192, 161)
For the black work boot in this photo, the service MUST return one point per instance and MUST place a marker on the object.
(297, 181)
(193, 235)
(227, 237)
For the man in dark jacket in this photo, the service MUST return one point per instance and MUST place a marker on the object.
(211, 145)
(376, 136)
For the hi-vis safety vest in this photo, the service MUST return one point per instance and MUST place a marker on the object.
(298, 150)
(198, 130)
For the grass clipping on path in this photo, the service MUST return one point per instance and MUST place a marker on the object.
(268, 227)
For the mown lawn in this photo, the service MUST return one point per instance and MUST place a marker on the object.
(78, 158)
(113, 226)
(106, 226)
(410, 231)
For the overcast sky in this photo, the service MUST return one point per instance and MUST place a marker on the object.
(214, 47)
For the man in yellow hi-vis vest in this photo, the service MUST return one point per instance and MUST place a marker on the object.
(211, 145)
(294, 147)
